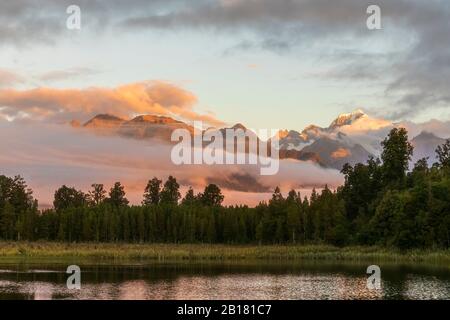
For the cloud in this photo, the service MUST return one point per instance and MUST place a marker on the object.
(29, 22)
(67, 74)
(49, 156)
(9, 78)
(411, 55)
(341, 153)
(409, 58)
(150, 97)
(370, 131)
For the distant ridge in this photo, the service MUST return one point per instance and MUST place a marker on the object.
(329, 147)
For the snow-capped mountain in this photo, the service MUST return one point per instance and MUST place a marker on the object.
(346, 119)
(328, 146)
(350, 138)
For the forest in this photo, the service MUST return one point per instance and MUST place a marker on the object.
(386, 201)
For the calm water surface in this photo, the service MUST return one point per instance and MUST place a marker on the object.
(256, 280)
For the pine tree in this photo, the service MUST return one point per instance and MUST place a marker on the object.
(152, 192)
(443, 155)
(117, 195)
(212, 196)
(189, 199)
(170, 193)
(396, 154)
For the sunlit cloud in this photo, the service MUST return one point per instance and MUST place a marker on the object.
(50, 155)
(149, 97)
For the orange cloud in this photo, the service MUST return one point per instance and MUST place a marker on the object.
(341, 153)
(149, 97)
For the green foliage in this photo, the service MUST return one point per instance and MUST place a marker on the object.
(18, 209)
(170, 194)
(66, 197)
(97, 195)
(117, 195)
(212, 196)
(152, 192)
(190, 198)
(397, 152)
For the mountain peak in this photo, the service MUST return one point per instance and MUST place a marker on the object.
(347, 119)
(107, 117)
(103, 120)
(153, 119)
(426, 135)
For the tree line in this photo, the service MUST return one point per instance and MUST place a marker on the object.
(381, 202)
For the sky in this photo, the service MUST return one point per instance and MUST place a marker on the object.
(267, 64)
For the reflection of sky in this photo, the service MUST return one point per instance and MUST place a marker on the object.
(236, 286)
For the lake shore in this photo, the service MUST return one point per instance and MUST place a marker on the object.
(215, 252)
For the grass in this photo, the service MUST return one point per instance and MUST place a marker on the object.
(202, 252)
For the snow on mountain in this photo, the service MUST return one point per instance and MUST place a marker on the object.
(351, 137)
(346, 119)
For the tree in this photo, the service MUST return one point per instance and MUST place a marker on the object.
(16, 192)
(7, 222)
(396, 154)
(170, 194)
(212, 196)
(117, 195)
(293, 197)
(443, 154)
(419, 173)
(98, 194)
(66, 197)
(189, 198)
(277, 196)
(152, 192)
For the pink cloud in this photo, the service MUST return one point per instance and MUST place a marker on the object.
(149, 97)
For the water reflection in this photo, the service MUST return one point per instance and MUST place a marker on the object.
(224, 281)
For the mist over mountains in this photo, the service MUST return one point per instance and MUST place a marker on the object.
(107, 148)
(350, 138)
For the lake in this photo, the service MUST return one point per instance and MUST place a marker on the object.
(230, 280)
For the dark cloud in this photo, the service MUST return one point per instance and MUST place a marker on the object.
(417, 76)
(239, 181)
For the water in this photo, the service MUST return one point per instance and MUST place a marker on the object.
(257, 280)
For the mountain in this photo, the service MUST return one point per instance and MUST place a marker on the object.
(425, 145)
(334, 153)
(104, 121)
(350, 138)
(149, 126)
(346, 119)
(140, 127)
(328, 146)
